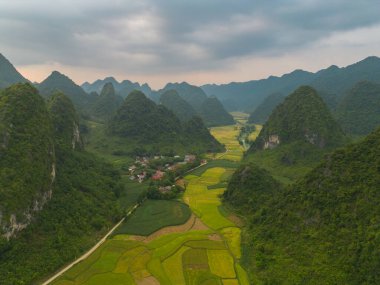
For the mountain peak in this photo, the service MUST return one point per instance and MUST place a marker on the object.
(303, 116)
(8, 73)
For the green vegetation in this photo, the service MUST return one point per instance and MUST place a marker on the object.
(59, 82)
(68, 195)
(263, 111)
(27, 158)
(8, 74)
(303, 116)
(154, 215)
(359, 110)
(106, 104)
(198, 255)
(196, 103)
(144, 127)
(214, 114)
(296, 136)
(323, 229)
(183, 110)
(65, 122)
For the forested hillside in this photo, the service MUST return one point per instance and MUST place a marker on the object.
(296, 136)
(321, 230)
(106, 103)
(62, 197)
(183, 110)
(59, 82)
(359, 111)
(146, 125)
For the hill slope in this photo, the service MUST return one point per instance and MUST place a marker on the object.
(27, 161)
(263, 111)
(106, 103)
(56, 219)
(296, 136)
(59, 82)
(144, 124)
(8, 74)
(183, 110)
(321, 230)
(303, 116)
(359, 110)
(214, 114)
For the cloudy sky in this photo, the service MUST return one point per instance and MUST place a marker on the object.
(199, 41)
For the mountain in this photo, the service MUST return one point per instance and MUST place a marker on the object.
(332, 83)
(183, 110)
(59, 82)
(27, 161)
(106, 103)
(263, 111)
(8, 73)
(359, 111)
(247, 96)
(121, 88)
(323, 229)
(337, 80)
(55, 198)
(139, 117)
(302, 116)
(214, 114)
(209, 109)
(65, 122)
(140, 121)
(193, 95)
(296, 136)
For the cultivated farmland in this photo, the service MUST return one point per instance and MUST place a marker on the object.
(207, 252)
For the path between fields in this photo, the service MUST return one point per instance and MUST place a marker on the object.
(88, 253)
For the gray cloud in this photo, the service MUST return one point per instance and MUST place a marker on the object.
(151, 36)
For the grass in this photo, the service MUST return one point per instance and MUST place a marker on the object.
(154, 215)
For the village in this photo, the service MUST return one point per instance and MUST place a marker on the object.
(162, 172)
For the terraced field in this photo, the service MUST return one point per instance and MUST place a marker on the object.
(205, 250)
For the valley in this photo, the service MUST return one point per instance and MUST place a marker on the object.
(204, 249)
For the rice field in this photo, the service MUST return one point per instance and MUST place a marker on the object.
(207, 253)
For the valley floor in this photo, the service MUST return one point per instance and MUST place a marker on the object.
(204, 250)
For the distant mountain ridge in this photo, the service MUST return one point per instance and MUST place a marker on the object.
(331, 81)
(121, 88)
(209, 109)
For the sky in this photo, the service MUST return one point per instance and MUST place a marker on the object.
(198, 41)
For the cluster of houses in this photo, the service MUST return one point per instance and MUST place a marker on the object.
(150, 167)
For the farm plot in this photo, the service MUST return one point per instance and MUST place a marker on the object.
(154, 215)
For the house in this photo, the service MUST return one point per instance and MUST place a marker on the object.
(132, 168)
(158, 175)
(189, 158)
(132, 177)
(165, 189)
(141, 176)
